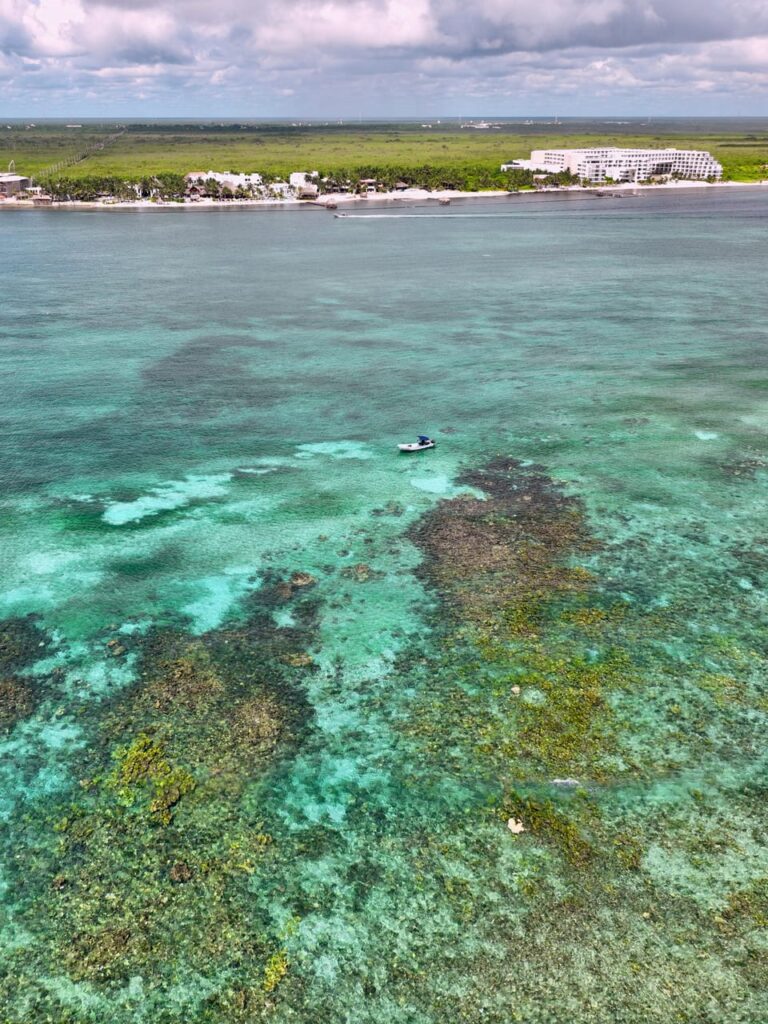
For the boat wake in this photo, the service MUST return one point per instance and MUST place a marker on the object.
(420, 216)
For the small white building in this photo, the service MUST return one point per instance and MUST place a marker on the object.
(614, 163)
(12, 184)
(230, 181)
(530, 165)
(298, 179)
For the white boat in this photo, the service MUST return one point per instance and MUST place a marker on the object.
(421, 445)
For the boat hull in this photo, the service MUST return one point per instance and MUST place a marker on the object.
(415, 447)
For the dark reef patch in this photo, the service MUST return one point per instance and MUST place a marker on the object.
(508, 548)
(521, 617)
(22, 642)
(17, 701)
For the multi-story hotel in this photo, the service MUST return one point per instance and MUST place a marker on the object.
(615, 164)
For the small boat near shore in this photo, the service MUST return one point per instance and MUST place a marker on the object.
(420, 445)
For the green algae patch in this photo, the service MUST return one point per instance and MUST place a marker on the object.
(748, 905)
(553, 692)
(143, 766)
(275, 970)
(571, 725)
(555, 825)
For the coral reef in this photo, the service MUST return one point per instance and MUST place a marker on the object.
(149, 867)
(537, 813)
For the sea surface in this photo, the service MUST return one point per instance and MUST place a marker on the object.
(272, 694)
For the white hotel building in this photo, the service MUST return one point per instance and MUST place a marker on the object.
(612, 163)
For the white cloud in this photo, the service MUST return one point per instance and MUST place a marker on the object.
(342, 54)
(357, 25)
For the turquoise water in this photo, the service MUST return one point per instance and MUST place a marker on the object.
(270, 692)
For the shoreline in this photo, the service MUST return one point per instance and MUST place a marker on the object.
(408, 197)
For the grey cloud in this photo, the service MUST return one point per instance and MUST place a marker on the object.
(147, 54)
(549, 25)
(14, 38)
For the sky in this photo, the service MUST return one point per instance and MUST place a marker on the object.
(379, 58)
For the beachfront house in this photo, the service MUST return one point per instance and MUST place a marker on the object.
(196, 182)
(12, 184)
(613, 163)
(305, 184)
(296, 179)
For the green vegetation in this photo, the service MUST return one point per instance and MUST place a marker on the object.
(443, 156)
(165, 185)
(169, 186)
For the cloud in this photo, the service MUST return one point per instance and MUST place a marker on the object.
(343, 53)
(557, 24)
(357, 25)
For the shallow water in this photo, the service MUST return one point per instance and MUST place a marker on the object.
(197, 405)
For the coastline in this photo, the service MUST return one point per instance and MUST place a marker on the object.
(408, 197)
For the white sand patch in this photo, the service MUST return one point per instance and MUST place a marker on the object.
(24, 598)
(335, 449)
(102, 677)
(64, 656)
(45, 563)
(442, 485)
(439, 484)
(138, 628)
(218, 595)
(167, 497)
(284, 618)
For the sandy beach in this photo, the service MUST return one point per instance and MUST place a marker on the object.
(411, 196)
